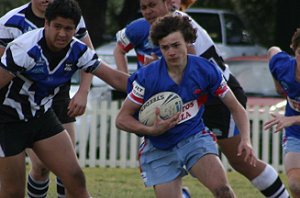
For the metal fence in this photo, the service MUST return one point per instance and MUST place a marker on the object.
(101, 144)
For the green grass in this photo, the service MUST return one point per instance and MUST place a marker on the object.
(126, 183)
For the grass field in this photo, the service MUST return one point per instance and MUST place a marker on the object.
(126, 183)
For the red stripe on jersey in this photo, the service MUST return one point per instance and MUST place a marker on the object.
(221, 90)
(141, 58)
(136, 99)
(126, 48)
(201, 100)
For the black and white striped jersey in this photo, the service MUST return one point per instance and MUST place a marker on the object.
(22, 19)
(39, 74)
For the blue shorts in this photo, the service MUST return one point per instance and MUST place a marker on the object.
(291, 144)
(163, 166)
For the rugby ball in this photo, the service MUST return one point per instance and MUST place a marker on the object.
(169, 103)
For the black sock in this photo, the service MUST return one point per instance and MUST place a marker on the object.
(60, 188)
(37, 189)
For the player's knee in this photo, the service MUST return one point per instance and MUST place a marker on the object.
(77, 181)
(14, 192)
(40, 172)
(294, 186)
(223, 191)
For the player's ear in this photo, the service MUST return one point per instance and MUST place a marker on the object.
(47, 23)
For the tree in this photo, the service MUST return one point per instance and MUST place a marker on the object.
(287, 21)
(94, 12)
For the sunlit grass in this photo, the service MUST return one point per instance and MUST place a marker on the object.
(126, 183)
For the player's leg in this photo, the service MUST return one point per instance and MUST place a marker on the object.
(292, 164)
(58, 155)
(53, 146)
(161, 169)
(12, 176)
(60, 107)
(201, 159)
(293, 173)
(263, 176)
(14, 137)
(210, 172)
(60, 188)
(38, 177)
(171, 189)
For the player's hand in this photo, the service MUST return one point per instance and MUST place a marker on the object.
(150, 58)
(245, 150)
(280, 121)
(77, 104)
(160, 126)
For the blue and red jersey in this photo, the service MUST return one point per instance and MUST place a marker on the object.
(283, 68)
(200, 79)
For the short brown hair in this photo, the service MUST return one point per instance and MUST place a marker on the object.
(163, 26)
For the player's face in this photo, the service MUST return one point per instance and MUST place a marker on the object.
(152, 9)
(174, 49)
(40, 5)
(59, 33)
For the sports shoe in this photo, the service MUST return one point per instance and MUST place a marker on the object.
(186, 192)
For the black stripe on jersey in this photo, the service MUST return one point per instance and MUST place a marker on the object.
(11, 65)
(91, 69)
(211, 53)
(15, 95)
(81, 33)
(4, 42)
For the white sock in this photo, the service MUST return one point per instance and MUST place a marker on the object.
(269, 183)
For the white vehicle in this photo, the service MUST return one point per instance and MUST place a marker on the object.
(227, 31)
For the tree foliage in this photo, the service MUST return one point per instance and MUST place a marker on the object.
(259, 16)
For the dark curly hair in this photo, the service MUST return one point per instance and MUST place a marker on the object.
(68, 9)
(295, 42)
(163, 26)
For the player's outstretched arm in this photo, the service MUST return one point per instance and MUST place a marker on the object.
(113, 77)
(281, 122)
(5, 77)
(240, 117)
(121, 59)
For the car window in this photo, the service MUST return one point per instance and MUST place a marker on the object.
(236, 33)
(211, 23)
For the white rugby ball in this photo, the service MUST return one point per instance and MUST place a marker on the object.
(169, 103)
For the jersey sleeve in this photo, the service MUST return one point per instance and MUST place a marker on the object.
(279, 64)
(133, 35)
(81, 30)
(136, 88)
(123, 41)
(15, 59)
(5, 36)
(217, 85)
(89, 61)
